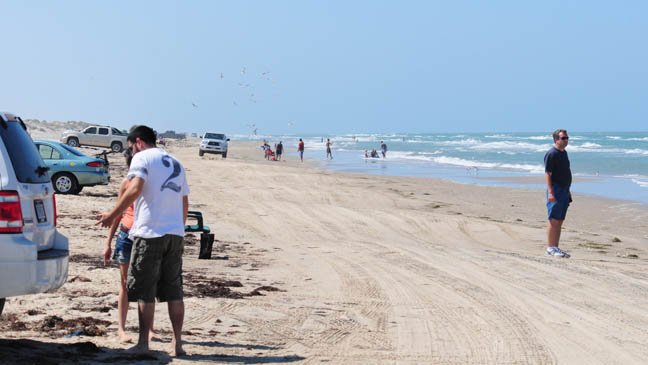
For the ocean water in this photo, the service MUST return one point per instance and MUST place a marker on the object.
(608, 164)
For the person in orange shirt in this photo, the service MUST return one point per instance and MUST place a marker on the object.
(300, 149)
(123, 247)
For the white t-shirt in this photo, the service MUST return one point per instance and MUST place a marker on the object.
(158, 211)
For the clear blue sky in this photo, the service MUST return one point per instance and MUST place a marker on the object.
(344, 66)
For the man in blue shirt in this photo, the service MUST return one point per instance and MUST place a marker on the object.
(558, 178)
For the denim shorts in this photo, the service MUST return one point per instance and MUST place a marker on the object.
(558, 209)
(123, 248)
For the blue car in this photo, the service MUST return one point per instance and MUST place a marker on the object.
(70, 169)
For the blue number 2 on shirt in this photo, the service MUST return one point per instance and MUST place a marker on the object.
(176, 172)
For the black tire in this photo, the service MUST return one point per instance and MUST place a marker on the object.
(73, 142)
(224, 155)
(78, 189)
(2, 302)
(65, 183)
(116, 147)
(200, 153)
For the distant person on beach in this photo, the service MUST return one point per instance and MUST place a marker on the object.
(383, 148)
(558, 178)
(374, 154)
(300, 149)
(122, 254)
(366, 154)
(268, 153)
(328, 149)
(279, 150)
(159, 193)
(265, 147)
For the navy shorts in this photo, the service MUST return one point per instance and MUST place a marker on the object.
(123, 248)
(558, 209)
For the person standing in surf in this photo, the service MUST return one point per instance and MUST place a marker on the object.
(300, 149)
(328, 149)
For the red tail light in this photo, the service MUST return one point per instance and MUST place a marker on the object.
(54, 202)
(94, 164)
(11, 220)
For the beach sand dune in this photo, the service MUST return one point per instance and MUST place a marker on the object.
(355, 268)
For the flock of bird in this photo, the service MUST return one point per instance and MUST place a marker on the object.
(251, 96)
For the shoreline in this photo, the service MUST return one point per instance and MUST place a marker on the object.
(467, 164)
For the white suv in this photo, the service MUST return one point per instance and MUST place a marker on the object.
(33, 255)
(213, 143)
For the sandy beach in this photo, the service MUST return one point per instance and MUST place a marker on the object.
(315, 266)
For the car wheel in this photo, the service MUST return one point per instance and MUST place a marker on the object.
(224, 155)
(200, 153)
(2, 302)
(116, 147)
(73, 142)
(78, 189)
(65, 183)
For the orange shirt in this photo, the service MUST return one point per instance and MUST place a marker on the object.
(129, 216)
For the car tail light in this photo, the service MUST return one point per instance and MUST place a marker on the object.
(11, 220)
(94, 164)
(54, 203)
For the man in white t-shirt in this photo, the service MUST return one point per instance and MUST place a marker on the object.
(159, 193)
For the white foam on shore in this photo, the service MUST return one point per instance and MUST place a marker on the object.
(642, 183)
(508, 146)
(455, 161)
(487, 165)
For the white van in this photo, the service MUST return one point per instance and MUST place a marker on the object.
(33, 255)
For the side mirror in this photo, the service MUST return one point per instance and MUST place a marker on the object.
(200, 137)
(228, 140)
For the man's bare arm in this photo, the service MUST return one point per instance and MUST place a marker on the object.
(130, 195)
(185, 208)
(549, 187)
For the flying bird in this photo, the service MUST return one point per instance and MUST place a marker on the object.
(290, 124)
(243, 70)
(234, 101)
(194, 105)
(222, 75)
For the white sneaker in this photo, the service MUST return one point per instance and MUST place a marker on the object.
(557, 252)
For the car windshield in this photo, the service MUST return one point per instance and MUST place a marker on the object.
(72, 150)
(214, 136)
(25, 158)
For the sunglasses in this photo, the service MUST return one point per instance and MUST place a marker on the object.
(564, 138)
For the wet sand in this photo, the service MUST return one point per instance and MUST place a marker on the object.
(317, 266)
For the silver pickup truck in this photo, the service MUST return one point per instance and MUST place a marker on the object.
(97, 136)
